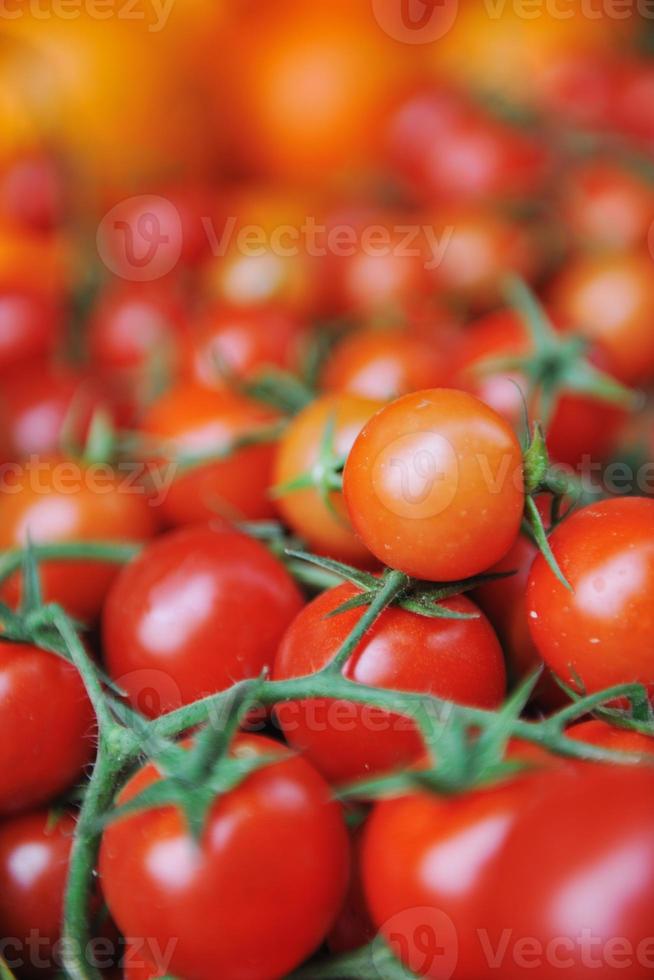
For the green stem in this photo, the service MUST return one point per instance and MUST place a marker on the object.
(394, 583)
(108, 551)
(83, 856)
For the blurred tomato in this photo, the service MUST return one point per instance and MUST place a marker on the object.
(606, 205)
(610, 299)
(582, 428)
(262, 249)
(22, 251)
(41, 404)
(189, 423)
(447, 150)
(228, 341)
(30, 327)
(32, 192)
(383, 364)
(375, 261)
(474, 251)
(116, 125)
(303, 85)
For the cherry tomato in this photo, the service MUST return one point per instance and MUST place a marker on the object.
(199, 609)
(610, 737)
(434, 485)
(197, 422)
(581, 428)
(47, 726)
(304, 86)
(383, 364)
(375, 261)
(237, 890)
(134, 322)
(460, 660)
(430, 864)
(240, 342)
(53, 499)
(32, 192)
(40, 404)
(324, 526)
(632, 100)
(30, 327)
(34, 853)
(606, 205)
(476, 249)
(549, 875)
(600, 633)
(576, 884)
(610, 299)
(504, 602)
(137, 966)
(449, 151)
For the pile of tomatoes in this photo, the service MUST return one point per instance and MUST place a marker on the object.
(327, 518)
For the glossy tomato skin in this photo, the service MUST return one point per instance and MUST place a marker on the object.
(430, 865)
(47, 740)
(326, 529)
(34, 853)
(56, 499)
(30, 327)
(39, 402)
(201, 608)
(240, 342)
(607, 736)
(239, 890)
(609, 298)
(577, 882)
(529, 878)
(460, 660)
(383, 364)
(434, 485)
(192, 420)
(581, 428)
(601, 632)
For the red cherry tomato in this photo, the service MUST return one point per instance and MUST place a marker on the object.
(430, 865)
(194, 421)
(384, 364)
(46, 723)
(607, 736)
(475, 250)
(606, 205)
(237, 889)
(448, 150)
(32, 193)
(199, 609)
(137, 966)
(325, 527)
(581, 428)
(135, 322)
(460, 660)
(550, 875)
(375, 261)
(34, 853)
(30, 327)
(600, 633)
(240, 342)
(434, 485)
(52, 499)
(610, 299)
(577, 880)
(39, 404)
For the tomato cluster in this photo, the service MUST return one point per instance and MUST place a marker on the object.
(326, 496)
